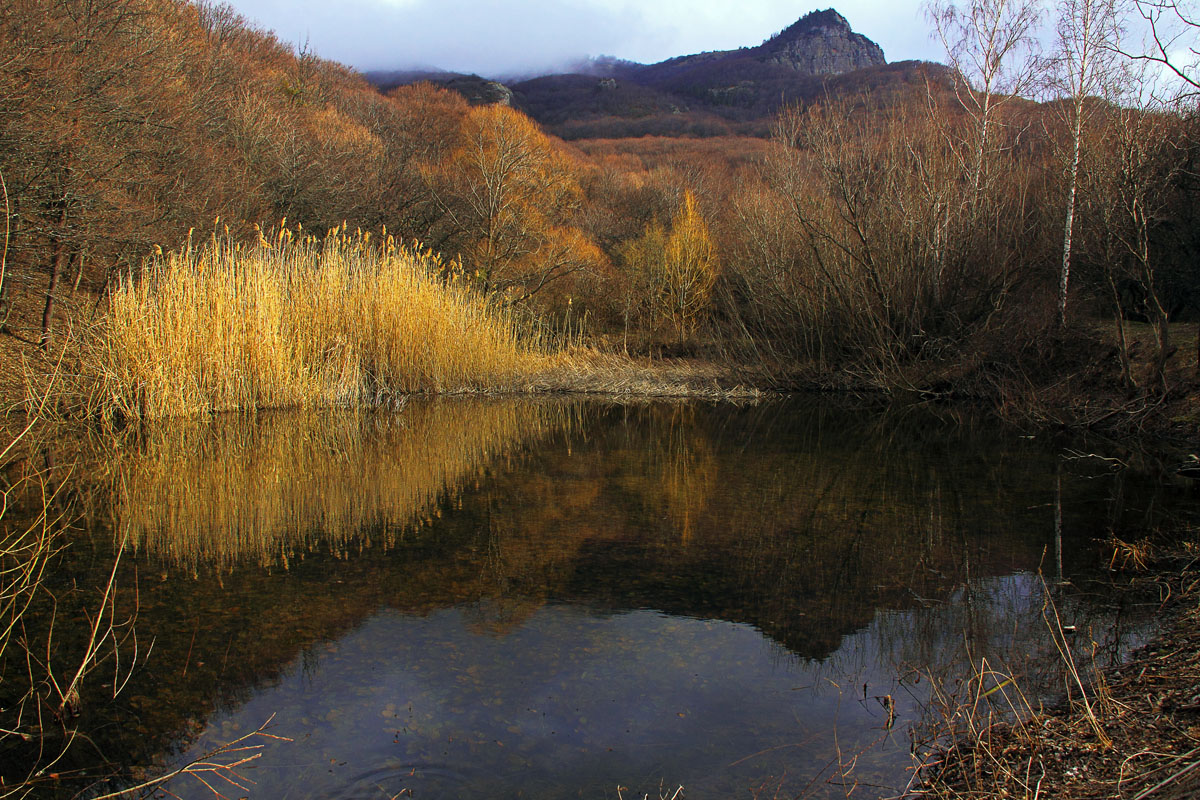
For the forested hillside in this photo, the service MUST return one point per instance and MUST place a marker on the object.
(902, 229)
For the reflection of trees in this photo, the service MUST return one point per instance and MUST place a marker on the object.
(801, 521)
(689, 470)
(805, 521)
(671, 468)
(808, 522)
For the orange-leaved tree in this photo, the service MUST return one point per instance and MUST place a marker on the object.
(509, 196)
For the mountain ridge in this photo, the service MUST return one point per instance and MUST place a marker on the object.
(711, 93)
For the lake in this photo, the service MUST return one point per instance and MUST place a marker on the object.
(553, 598)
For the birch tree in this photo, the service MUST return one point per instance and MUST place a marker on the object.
(1088, 34)
(991, 44)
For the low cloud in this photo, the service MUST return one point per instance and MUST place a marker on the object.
(540, 35)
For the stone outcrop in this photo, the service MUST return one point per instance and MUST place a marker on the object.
(480, 91)
(821, 43)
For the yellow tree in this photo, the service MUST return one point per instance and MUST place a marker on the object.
(677, 268)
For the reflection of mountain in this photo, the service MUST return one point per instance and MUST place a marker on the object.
(802, 521)
(573, 702)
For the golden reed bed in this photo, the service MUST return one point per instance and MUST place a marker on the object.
(298, 322)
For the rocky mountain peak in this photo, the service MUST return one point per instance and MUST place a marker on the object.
(821, 43)
(813, 21)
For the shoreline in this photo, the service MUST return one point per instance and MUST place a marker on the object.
(1137, 737)
(1079, 392)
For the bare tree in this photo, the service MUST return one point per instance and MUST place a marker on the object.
(1088, 33)
(1135, 173)
(991, 44)
(508, 194)
(1173, 27)
(883, 263)
(1174, 45)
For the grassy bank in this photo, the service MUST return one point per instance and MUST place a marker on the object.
(1124, 732)
(295, 322)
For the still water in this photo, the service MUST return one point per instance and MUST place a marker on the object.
(542, 599)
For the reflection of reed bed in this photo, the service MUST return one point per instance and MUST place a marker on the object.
(270, 487)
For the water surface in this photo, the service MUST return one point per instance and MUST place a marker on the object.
(537, 599)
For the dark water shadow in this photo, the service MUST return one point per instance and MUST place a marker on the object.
(528, 599)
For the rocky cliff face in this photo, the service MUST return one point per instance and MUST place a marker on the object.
(480, 91)
(821, 43)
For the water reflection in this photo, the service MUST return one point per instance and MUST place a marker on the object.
(233, 488)
(575, 703)
(569, 704)
(485, 598)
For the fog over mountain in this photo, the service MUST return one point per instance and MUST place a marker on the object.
(541, 36)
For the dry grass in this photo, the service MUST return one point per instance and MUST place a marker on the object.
(296, 322)
(1128, 731)
(585, 371)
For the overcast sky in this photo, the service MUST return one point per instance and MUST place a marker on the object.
(506, 38)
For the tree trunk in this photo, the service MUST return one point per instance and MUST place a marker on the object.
(58, 261)
(1070, 220)
(1162, 335)
(1122, 340)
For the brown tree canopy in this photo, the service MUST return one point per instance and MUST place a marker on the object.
(509, 195)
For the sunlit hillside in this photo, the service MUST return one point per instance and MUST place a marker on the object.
(899, 227)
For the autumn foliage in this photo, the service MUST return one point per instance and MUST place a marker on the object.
(674, 270)
(125, 124)
(508, 194)
(888, 232)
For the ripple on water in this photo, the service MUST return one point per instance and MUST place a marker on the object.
(402, 779)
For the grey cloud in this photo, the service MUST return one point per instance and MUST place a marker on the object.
(526, 36)
(461, 35)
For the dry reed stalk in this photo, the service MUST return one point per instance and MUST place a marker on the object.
(297, 322)
(221, 763)
(1004, 747)
(7, 236)
(38, 715)
(1076, 683)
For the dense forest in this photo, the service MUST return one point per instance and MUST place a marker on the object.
(968, 230)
